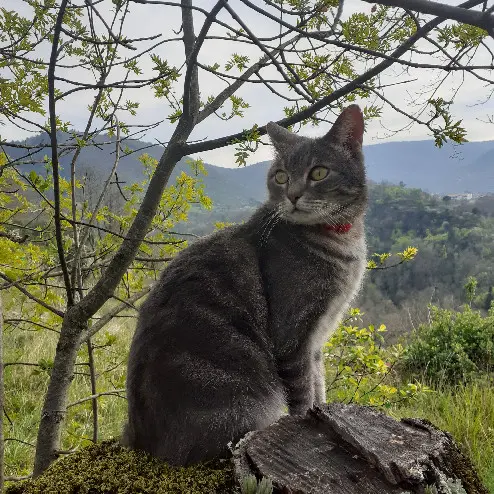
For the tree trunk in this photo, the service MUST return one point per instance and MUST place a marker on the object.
(77, 316)
(350, 449)
(54, 407)
(2, 404)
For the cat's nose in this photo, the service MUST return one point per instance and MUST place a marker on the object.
(293, 198)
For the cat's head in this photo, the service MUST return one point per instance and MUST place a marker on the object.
(319, 181)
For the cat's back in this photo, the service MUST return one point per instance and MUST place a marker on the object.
(201, 358)
(206, 290)
(217, 268)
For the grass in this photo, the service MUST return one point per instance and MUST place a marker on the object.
(25, 387)
(466, 411)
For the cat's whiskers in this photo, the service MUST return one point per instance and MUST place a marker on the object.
(342, 211)
(320, 214)
(281, 212)
(264, 224)
(321, 209)
(271, 222)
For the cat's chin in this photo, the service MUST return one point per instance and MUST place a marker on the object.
(303, 218)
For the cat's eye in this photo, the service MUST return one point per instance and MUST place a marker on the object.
(318, 173)
(281, 177)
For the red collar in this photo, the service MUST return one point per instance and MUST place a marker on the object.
(339, 228)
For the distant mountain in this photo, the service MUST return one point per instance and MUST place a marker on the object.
(450, 169)
(227, 186)
(420, 164)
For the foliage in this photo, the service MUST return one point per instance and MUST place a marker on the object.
(454, 241)
(31, 328)
(247, 144)
(108, 467)
(381, 259)
(250, 485)
(357, 367)
(26, 383)
(449, 129)
(454, 347)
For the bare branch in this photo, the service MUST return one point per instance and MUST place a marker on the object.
(484, 20)
(191, 90)
(20, 441)
(54, 151)
(116, 392)
(113, 312)
(16, 321)
(73, 162)
(191, 82)
(116, 39)
(94, 393)
(86, 230)
(11, 478)
(13, 237)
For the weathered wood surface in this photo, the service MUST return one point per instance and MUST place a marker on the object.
(350, 449)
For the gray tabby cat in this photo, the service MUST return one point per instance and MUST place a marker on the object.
(232, 332)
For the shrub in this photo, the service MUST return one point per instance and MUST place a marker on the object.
(359, 368)
(454, 347)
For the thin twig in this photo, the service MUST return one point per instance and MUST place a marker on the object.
(18, 479)
(113, 312)
(87, 227)
(116, 392)
(484, 20)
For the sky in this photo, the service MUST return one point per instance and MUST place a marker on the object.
(471, 101)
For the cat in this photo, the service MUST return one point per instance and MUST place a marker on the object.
(232, 333)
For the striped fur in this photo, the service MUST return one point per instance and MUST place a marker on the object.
(232, 333)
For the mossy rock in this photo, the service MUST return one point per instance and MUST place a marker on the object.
(110, 468)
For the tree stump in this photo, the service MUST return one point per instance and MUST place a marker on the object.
(350, 449)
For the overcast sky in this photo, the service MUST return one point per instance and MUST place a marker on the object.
(146, 20)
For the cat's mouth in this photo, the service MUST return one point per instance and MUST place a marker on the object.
(303, 216)
(320, 216)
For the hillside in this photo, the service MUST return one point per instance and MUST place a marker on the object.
(454, 238)
(419, 164)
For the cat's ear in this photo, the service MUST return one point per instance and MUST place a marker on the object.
(280, 137)
(348, 130)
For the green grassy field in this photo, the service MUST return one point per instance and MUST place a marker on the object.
(466, 411)
(25, 387)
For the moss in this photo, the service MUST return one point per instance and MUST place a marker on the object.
(109, 468)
